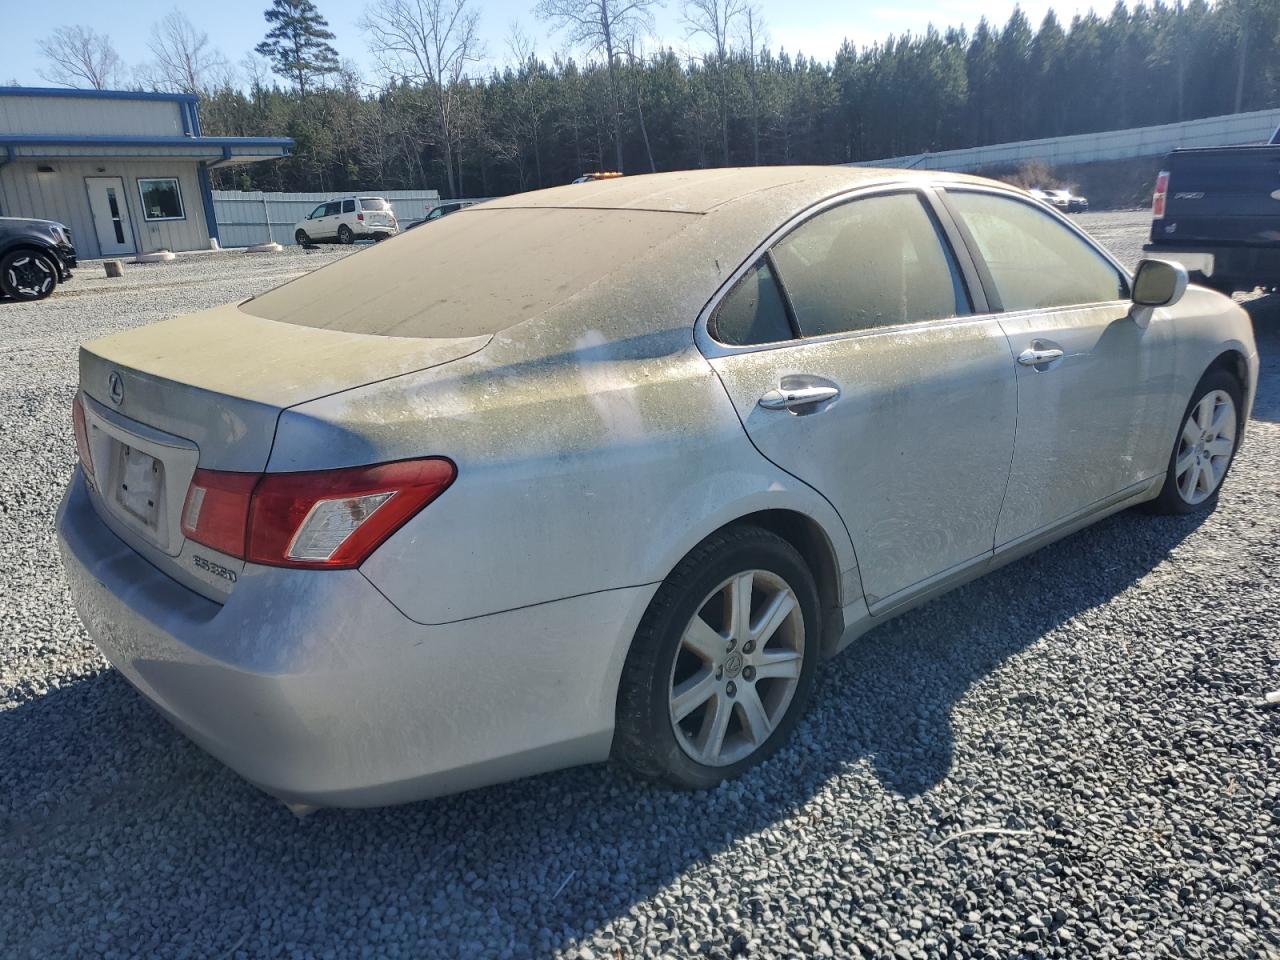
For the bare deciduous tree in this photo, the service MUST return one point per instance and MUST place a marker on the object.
(77, 56)
(429, 42)
(715, 20)
(753, 35)
(636, 69)
(602, 26)
(184, 59)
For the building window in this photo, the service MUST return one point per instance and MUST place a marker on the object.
(161, 199)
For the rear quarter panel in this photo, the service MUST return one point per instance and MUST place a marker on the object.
(594, 468)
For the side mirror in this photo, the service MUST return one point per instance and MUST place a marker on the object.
(1159, 283)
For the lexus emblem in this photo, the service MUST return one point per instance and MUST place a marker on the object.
(115, 387)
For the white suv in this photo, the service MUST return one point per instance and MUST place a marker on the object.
(348, 219)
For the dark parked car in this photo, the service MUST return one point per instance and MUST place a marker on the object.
(441, 210)
(35, 256)
(1217, 211)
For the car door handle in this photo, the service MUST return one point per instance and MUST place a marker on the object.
(1032, 357)
(789, 399)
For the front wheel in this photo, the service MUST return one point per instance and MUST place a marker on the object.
(345, 235)
(723, 662)
(26, 275)
(1205, 447)
(300, 238)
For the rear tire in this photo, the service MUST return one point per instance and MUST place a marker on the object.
(345, 235)
(28, 275)
(1205, 447)
(723, 662)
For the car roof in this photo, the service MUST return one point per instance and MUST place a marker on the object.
(704, 191)
(631, 259)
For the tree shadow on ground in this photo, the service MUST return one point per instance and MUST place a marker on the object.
(1265, 313)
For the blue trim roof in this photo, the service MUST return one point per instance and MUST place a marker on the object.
(67, 140)
(95, 94)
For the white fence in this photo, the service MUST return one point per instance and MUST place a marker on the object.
(246, 218)
(1236, 128)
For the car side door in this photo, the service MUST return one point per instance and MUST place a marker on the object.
(1095, 380)
(327, 225)
(852, 351)
(313, 225)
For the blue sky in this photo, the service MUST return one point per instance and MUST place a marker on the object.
(234, 26)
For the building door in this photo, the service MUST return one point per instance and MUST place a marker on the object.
(110, 215)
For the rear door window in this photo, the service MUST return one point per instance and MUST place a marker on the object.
(1034, 259)
(872, 262)
(754, 310)
(332, 209)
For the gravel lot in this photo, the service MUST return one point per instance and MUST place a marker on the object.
(1066, 758)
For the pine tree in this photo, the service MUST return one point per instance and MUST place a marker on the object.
(298, 42)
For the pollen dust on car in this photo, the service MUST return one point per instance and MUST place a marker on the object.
(1069, 757)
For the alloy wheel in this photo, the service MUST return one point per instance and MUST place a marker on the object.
(1205, 447)
(737, 668)
(31, 276)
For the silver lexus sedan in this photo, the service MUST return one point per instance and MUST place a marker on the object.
(609, 470)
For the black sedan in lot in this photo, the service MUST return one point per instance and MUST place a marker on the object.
(35, 256)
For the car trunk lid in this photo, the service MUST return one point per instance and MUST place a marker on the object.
(207, 390)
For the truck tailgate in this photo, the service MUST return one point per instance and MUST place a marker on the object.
(1226, 195)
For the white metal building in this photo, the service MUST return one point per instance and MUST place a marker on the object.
(127, 172)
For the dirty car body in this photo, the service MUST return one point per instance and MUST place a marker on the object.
(583, 409)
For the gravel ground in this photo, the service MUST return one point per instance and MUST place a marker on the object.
(1066, 758)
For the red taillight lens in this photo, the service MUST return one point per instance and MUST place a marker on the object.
(217, 509)
(360, 217)
(330, 519)
(82, 435)
(1160, 195)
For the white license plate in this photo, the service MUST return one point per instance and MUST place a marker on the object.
(139, 480)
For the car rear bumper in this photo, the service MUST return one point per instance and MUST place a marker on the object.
(314, 687)
(1243, 266)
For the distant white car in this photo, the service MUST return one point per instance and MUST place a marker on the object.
(346, 220)
(1063, 200)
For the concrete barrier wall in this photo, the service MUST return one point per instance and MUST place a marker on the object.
(1236, 128)
(255, 217)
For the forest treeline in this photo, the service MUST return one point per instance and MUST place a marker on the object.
(541, 122)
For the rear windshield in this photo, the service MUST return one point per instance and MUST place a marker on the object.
(475, 273)
(373, 203)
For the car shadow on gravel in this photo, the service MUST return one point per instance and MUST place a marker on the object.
(93, 777)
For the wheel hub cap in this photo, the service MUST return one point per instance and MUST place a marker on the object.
(1206, 447)
(737, 668)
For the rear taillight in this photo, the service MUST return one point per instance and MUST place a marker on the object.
(1161, 194)
(360, 216)
(217, 509)
(82, 436)
(329, 519)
